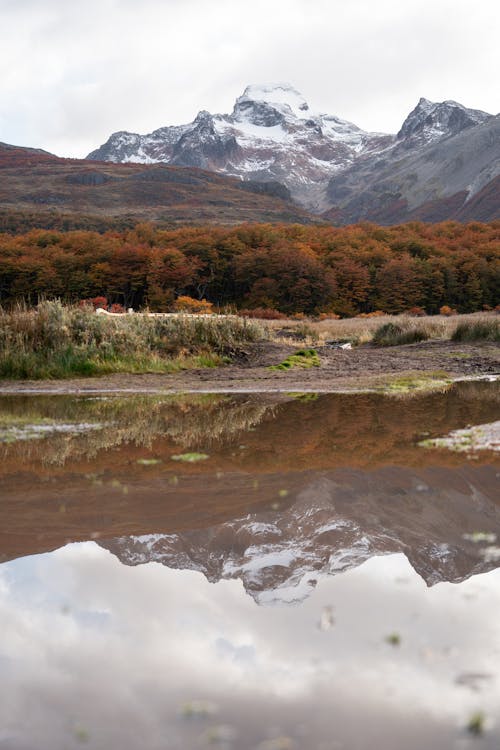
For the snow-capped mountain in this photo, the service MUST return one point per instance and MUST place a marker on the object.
(271, 134)
(336, 523)
(431, 121)
(326, 162)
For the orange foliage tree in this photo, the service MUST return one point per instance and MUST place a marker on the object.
(289, 268)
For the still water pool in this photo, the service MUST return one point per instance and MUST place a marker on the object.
(268, 572)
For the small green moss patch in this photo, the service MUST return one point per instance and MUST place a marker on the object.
(415, 382)
(190, 458)
(299, 396)
(304, 358)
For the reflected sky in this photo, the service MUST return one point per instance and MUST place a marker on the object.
(97, 654)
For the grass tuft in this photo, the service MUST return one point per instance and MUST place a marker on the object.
(395, 334)
(481, 330)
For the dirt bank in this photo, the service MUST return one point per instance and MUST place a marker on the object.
(363, 367)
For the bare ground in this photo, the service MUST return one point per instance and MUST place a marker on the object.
(361, 368)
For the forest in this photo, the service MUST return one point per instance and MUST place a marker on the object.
(289, 268)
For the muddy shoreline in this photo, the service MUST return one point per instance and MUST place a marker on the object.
(362, 368)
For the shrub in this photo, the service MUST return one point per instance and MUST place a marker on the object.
(116, 308)
(190, 305)
(395, 334)
(95, 302)
(481, 330)
(447, 310)
(417, 312)
(374, 314)
(263, 313)
(328, 316)
(304, 331)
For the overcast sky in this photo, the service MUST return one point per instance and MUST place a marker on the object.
(71, 73)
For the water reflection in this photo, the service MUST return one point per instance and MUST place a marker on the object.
(97, 654)
(292, 491)
(446, 523)
(312, 474)
(204, 419)
(287, 431)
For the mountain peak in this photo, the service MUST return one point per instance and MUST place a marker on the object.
(431, 121)
(280, 96)
(202, 116)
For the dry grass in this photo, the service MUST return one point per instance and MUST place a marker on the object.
(362, 330)
(478, 330)
(57, 341)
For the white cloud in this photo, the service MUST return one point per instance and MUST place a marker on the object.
(74, 72)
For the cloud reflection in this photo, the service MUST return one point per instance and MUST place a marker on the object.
(93, 651)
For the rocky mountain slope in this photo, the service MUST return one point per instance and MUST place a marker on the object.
(443, 156)
(439, 163)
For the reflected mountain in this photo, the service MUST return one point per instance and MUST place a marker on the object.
(445, 522)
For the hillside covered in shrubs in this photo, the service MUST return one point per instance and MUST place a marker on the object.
(289, 268)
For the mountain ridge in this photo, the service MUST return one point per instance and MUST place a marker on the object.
(326, 162)
(301, 166)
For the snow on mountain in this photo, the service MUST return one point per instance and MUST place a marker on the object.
(431, 121)
(123, 147)
(281, 96)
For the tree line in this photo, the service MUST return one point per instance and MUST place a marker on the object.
(290, 268)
